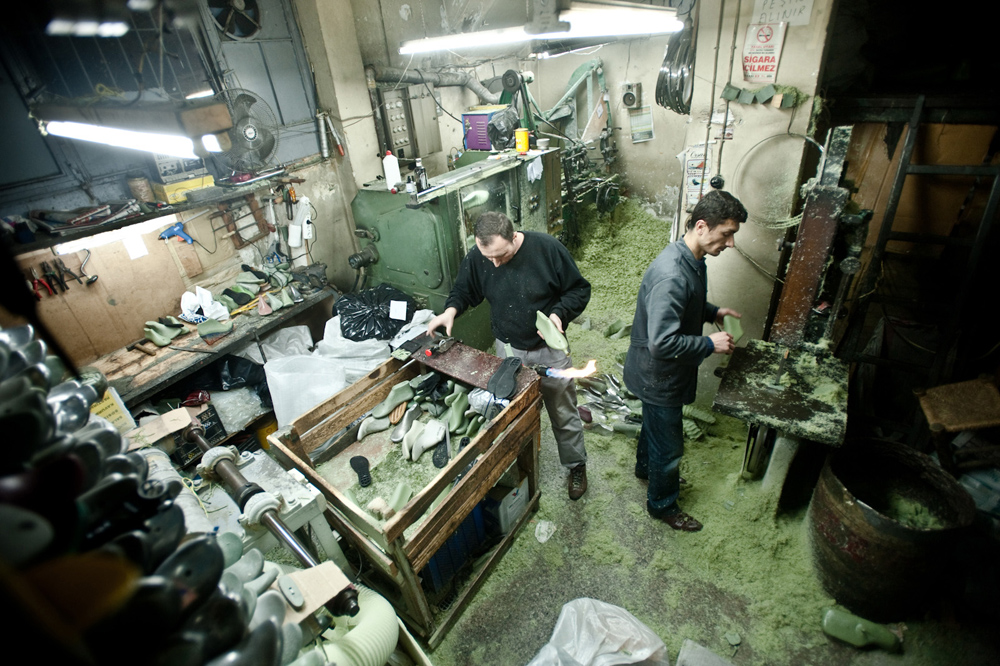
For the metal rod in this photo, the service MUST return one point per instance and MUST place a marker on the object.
(234, 479)
(270, 520)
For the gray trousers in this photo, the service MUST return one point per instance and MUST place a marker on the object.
(559, 396)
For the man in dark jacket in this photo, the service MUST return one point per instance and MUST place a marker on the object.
(667, 346)
(519, 273)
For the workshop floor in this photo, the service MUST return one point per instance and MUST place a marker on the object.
(747, 572)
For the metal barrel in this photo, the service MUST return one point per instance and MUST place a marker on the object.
(880, 521)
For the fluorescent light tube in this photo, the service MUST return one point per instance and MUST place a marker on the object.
(165, 144)
(585, 21)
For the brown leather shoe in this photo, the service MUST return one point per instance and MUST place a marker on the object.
(577, 481)
(680, 521)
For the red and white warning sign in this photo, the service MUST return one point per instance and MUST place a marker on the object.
(762, 51)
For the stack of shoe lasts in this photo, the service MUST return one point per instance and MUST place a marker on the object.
(94, 541)
(445, 401)
(608, 406)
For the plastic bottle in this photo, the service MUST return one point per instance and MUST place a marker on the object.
(858, 631)
(421, 174)
(390, 165)
(411, 187)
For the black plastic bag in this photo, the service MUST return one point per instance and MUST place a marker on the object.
(500, 129)
(365, 315)
(228, 372)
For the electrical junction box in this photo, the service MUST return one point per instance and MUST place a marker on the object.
(503, 506)
(632, 95)
(409, 120)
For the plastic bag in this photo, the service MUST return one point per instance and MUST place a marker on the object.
(593, 633)
(367, 314)
(500, 129)
(299, 383)
(417, 326)
(291, 341)
(356, 358)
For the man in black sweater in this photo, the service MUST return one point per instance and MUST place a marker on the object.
(520, 272)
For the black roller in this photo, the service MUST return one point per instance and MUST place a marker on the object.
(511, 81)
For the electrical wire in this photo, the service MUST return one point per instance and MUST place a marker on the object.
(732, 60)
(760, 219)
(753, 263)
(711, 104)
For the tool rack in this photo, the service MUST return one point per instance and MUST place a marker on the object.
(394, 559)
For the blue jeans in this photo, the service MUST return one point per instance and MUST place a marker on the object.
(661, 444)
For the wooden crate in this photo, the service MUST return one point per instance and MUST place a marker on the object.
(392, 558)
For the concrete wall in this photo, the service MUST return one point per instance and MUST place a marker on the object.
(764, 172)
(761, 164)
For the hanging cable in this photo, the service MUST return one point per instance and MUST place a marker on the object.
(729, 81)
(711, 103)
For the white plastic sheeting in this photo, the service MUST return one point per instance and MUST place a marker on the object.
(594, 633)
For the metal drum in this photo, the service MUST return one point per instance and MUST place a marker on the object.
(880, 520)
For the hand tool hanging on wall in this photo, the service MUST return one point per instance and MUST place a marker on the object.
(176, 230)
(63, 271)
(336, 135)
(19, 301)
(91, 279)
(53, 278)
(36, 281)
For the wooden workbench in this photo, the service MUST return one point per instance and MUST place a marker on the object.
(398, 549)
(137, 376)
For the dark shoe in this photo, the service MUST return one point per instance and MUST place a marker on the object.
(678, 520)
(577, 481)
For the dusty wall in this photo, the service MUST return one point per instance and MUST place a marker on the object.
(764, 172)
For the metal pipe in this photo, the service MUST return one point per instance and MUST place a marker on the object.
(464, 79)
(236, 482)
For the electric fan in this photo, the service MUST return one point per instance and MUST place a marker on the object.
(254, 136)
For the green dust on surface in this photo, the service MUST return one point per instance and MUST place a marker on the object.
(614, 251)
(388, 470)
(912, 513)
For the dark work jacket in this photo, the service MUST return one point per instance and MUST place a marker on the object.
(667, 344)
(540, 276)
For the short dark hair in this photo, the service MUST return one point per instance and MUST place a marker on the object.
(715, 208)
(492, 224)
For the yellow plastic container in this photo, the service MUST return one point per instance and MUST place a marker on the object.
(521, 140)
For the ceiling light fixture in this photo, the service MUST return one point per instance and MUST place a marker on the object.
(586, 20)
(187, 132)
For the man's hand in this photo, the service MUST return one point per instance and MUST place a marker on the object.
(446, 319)
(723, 342)
(554, 318)
(721, 314)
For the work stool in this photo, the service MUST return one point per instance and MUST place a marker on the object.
(952, 408)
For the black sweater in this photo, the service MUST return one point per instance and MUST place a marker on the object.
(540, 276)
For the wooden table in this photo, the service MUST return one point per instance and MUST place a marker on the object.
(137, 376)
(396, 555)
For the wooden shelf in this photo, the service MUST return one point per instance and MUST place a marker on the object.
(137, 376)
(44, 240)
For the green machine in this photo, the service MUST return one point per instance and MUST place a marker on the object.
(416, 242)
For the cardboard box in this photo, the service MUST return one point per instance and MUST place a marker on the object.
(177, 192)
(504, 505)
